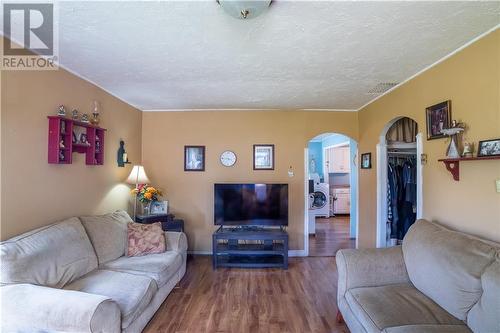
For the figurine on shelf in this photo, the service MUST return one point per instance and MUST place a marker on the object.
(61, 112)
(84, 140)
(85, 118)
(74, 114)
(61, 156)
(452, 132)
(468, 149)
(96, 107)
(61, 144)
(97, 144)
(119, 155)
(63, 127)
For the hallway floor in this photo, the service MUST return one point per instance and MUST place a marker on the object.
(332, 234)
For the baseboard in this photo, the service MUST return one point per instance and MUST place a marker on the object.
(291, 253)
(297, 253)
(200, 253)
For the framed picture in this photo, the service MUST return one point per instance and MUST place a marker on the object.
(194, 158)
(438, 118)
(489, 148)
(366, 161)
(159, 207)
(263, 157)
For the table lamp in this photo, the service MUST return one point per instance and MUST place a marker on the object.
(137, 177)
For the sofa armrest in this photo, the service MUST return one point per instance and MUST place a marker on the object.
(176, 241)
(32, 308)
(370, 268)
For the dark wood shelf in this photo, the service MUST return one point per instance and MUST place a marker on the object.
(453, 164)
(271, 250)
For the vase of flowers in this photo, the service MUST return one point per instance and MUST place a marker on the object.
(147, 194)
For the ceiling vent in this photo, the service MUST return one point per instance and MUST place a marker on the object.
(382, 88)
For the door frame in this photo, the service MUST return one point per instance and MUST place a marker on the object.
(381, 151)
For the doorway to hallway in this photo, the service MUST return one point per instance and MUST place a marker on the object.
(331, 194)
(332, 234)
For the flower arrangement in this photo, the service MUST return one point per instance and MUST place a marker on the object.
(146, 193)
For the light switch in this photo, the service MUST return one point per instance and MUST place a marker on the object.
(498, 185)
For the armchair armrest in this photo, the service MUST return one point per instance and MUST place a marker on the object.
(176, 241)
(370, 268)
(32, 308)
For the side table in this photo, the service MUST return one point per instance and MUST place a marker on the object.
(168, 221)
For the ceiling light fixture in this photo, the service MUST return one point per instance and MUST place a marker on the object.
(244, 9)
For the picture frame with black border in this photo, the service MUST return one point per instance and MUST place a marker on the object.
(438, 117)
(194, 158)
(366, 161)
(488, 148)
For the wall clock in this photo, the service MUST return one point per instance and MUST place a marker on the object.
(228, 158)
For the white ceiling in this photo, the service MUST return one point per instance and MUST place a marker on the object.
(310, 55)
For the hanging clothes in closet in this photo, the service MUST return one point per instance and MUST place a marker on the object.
(401, 195)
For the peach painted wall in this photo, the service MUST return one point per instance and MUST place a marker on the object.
(35, 193)
(190, 194)
(471, 80)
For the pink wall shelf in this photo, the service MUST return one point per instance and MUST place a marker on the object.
(61, 130)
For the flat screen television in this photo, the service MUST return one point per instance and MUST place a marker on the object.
(251, 204)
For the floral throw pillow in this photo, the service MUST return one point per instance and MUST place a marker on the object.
(145, 239)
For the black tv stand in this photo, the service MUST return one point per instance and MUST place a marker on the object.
(250, 247)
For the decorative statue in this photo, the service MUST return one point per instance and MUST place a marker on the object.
(96, 108)
(74, 114)
(468, 149)
(61, 112)
(61, 144)
(85, 118)
(452, 132)
(120, 154)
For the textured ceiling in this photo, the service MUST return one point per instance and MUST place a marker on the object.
(311, 55)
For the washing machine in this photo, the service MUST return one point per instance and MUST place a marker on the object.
(319, 200)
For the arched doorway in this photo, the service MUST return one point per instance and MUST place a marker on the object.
(400, 141)
(331, 194)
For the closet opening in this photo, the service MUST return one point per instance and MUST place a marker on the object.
(331, 194)
(399, 180)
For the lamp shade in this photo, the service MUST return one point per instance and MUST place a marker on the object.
(138, 176)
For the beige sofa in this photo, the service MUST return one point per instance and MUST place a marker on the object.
(438, 281)
(72, 276)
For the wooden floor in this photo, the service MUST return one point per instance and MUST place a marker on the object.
(332, 234)
(300, 299)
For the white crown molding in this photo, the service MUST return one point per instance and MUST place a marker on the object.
(484, 34)
(472, 41)
(247, 110)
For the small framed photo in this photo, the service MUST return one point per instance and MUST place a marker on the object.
(489, 148)
(263, 157)
(159, 207)
(366, 161)
(438, 117)
(194, 158)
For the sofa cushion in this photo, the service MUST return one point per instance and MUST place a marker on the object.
(395, 305)
(108, 234)
(485, 314)
(159, 266)
(145, 239)
(428, 329)
(446, 265)
(131, 292)
(50, 256)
